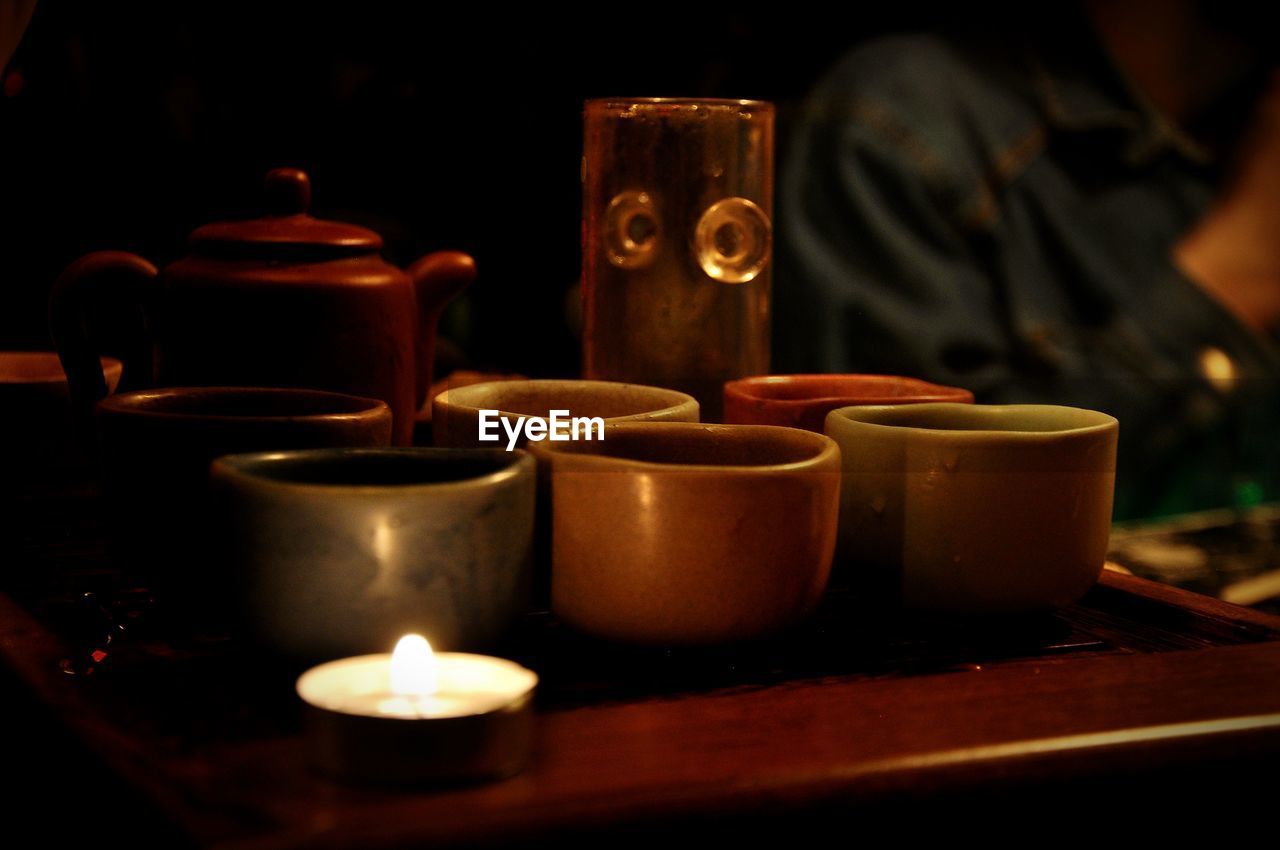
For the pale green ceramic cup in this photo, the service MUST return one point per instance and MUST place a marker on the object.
(974, 509)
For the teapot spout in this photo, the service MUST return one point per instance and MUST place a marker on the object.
(437, 279)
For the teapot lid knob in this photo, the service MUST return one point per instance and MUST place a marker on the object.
(288, 191)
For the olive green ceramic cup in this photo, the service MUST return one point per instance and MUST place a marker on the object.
(974, 509)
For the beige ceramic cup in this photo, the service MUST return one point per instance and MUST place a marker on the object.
(679, 533)
(975, 509)
(456, 412)
(456, 424)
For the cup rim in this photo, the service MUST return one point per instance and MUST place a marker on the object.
(826, 449)
(609, 102)
(248, 465)
(678, 399)
(111, 368)
(131, 404)
(1103, 422)
(929, 391)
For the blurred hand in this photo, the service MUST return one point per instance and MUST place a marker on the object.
(14, 17)
(1234, 251)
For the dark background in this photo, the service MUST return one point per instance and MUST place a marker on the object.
(125, 126)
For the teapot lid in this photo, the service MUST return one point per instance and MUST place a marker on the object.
(288, 192)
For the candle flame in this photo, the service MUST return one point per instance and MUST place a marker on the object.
(413, 667)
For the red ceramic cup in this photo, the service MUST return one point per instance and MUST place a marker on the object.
(803, 401)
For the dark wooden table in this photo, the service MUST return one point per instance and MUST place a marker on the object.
(858, 711)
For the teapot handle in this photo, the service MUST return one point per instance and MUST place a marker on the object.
(116, 275)
(437, 279)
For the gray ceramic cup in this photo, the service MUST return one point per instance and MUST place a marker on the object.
(342, 551)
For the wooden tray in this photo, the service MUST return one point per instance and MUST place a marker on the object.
(856, 709)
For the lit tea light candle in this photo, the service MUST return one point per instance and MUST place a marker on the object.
(419, 716)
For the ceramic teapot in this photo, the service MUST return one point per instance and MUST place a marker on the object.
(286, 300)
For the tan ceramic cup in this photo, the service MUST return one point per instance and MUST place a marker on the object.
(156, 447)
(677, 533)
(456, 412)
(44, 441)
(975, 509)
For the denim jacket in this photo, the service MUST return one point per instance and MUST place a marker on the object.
(1002, 219)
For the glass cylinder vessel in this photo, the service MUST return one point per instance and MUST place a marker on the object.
(677, 239)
